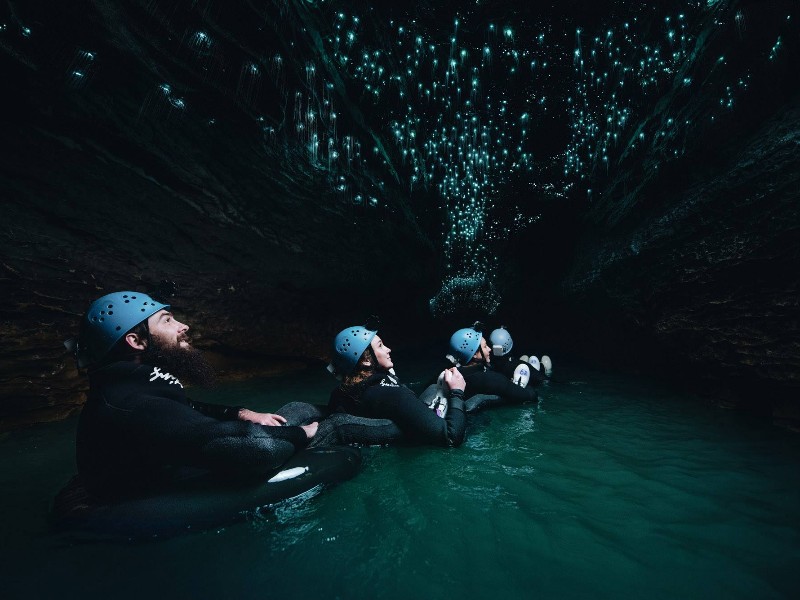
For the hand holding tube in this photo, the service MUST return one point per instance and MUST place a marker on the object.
(454, 379)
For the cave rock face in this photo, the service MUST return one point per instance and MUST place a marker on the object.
(704, 264)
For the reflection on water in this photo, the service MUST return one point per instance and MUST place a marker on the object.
(612, 487)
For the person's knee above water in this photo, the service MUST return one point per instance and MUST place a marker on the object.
(370, 388)
(138, 431)
(469, 348)
(522, 371)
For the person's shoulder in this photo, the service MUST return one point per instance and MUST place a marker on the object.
(492, 374)
(469, 370)
(337, 394)
(381, 380)
(386, 379)
(116, 372)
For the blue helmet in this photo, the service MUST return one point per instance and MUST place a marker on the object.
(464, 343)
(501, 337)
(348, 347)
(106, 322)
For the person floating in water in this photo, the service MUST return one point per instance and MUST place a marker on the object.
(524, 370)
(138, 431)
(370, 388)
(485, 386)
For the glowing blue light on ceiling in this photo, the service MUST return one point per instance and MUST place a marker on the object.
(449, 129)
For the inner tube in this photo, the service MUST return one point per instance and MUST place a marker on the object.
(435, 397)
(205, 504)
(480, 402)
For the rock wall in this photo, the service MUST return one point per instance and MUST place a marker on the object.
(699, 276)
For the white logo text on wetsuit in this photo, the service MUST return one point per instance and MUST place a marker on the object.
(389, 381)
(170, 379)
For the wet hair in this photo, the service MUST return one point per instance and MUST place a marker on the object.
(353, 381)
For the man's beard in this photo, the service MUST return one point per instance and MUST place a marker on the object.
(185, 363)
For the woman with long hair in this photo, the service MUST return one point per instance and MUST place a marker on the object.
(370, 388)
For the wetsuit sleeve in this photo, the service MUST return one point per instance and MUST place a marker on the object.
(494, 384)
(216, 411)
(171, 432)
(417, 421)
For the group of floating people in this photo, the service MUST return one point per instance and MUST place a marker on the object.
(152, 461)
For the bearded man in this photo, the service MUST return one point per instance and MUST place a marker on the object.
(138, 431)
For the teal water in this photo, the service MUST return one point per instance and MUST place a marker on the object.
(612, 487)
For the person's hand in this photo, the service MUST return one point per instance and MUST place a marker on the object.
(310, 429)
(454, 379)
(261, 418)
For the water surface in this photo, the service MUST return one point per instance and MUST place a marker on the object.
(611, 487)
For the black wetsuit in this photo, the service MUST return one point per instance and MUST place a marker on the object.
(483, 380)
(507, 364)
(381, 396)
(139, 433)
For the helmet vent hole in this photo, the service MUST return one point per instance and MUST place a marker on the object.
(118, 327)
(111, 312)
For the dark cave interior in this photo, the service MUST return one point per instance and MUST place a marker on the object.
(617, 184)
